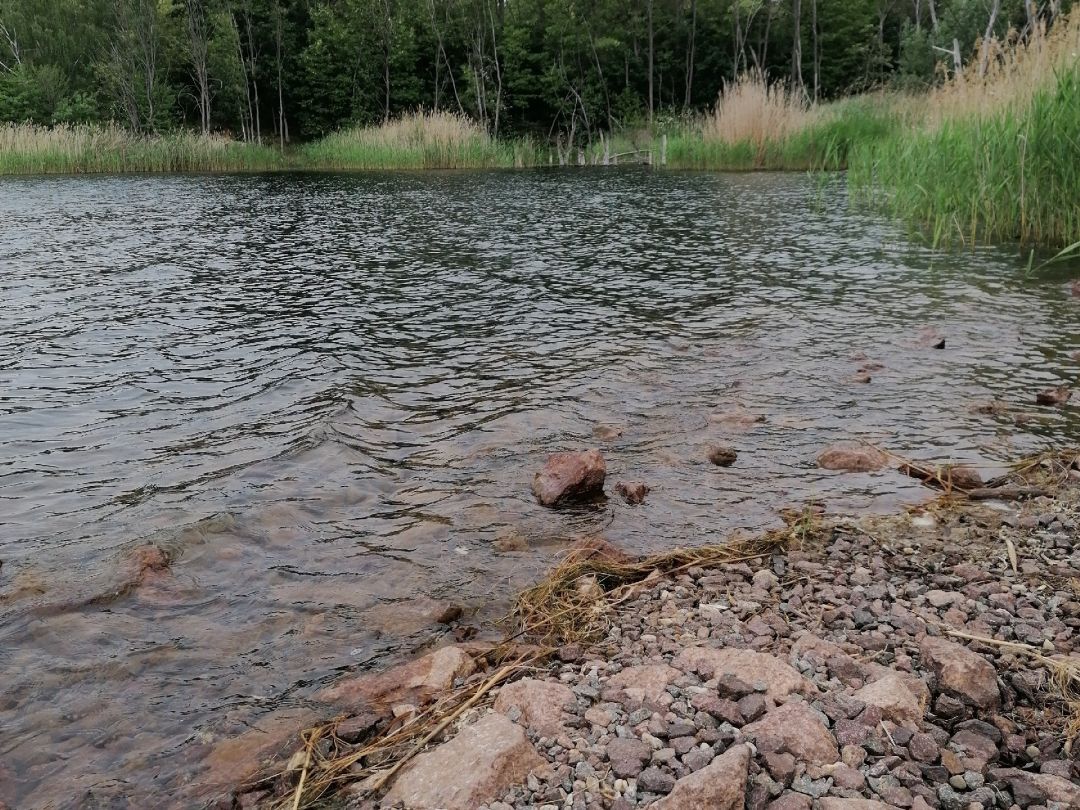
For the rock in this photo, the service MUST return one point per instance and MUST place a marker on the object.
(831, 803)
(923, 748)
(896, 701)
(722, 456)
(655, 780)
(780, 678)
(415, 681)
(790, 801)
(961, 672)
(354, 729)
(797, 729)
(645, 683)
(570, 477)
(607, 433)
(541, 704)
(633, 492)
(1054, 396)
(511, 541)
(852, 458)
(498, 755)
(1038, 788)
(628, 756)
(765, 579)
(720, 785)
(736, 418)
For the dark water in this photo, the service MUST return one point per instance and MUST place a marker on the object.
(325, 396)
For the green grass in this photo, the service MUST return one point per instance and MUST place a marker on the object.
(1010, 175)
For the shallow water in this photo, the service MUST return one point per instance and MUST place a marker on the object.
(325, 396)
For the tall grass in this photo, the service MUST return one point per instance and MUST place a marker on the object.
(995, 156)
(420, 140)
(756, 125)
(76, 149)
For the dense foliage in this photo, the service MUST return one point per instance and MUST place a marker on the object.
(277, 70)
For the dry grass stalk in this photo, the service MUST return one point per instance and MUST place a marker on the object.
(574, 603)
(380, 759)
(1064, 675)
(1015, 69)
(750, 110)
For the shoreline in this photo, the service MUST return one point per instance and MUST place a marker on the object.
(630, 685)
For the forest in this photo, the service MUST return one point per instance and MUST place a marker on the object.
(286, 71)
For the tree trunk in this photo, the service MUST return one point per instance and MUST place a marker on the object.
(279, 34)
(933, 15)
(198, 44)
(796, 49)
(649, 13)
(690, 56)
(817, 50)
(984, 58)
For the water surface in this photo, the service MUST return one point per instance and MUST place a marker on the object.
(324, 396)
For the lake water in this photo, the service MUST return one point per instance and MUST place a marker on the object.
(325, 396)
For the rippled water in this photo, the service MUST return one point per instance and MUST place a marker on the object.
(325, 396)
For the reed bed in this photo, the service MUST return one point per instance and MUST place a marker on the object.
(995, 156)
(419, 140)
(756, 126)
(80, 149)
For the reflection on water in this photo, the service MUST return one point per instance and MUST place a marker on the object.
(325, 396)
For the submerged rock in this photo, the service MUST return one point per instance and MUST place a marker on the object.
(607, 433)
(415, 681)
(722, 456)
(1054, 396)
(475, 767)
(567, 477)
(852, 458)
(633, 492)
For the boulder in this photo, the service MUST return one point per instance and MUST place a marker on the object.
(633, 492)
(541, 704)
(896, 701)
(722, 456)
(720, 785)
(797, 729)
(780, 679)
(644, 683)
(831, 803)
(852, 458)
(476, 767)
(416, 681)
(1038, 788)
(568, 477)
(961, 672)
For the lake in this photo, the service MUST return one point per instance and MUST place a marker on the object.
(324, 397)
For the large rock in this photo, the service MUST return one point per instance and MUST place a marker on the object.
(570, 477)
(831, 803)
(852, 458)
(475, 767)
(416, 681)
(798, 730)
(1038, 788)
(780, 679)
(644, 683)
(961, 672)
(897, 702)
(720, 785)
(541, 704)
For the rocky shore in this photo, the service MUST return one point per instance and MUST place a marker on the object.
(925, 660)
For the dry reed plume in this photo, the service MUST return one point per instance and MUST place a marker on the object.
(750, 110)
